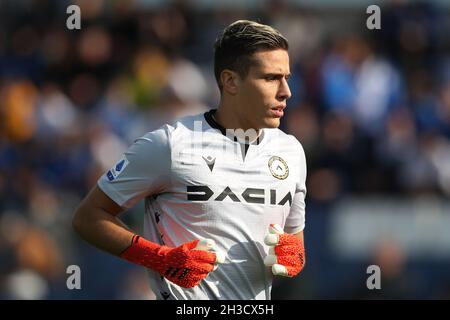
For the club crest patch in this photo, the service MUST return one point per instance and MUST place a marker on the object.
(278, 168)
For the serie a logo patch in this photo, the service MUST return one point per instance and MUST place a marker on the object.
(117, 169)
(278, 168)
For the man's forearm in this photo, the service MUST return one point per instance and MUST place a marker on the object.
(185, 265)
(102, 230)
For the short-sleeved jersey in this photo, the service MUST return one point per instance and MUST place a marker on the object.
(200, 182)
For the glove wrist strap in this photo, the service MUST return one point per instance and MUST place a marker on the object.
(145, 253)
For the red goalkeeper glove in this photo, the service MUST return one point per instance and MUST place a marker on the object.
(286, 252)
(185, 265)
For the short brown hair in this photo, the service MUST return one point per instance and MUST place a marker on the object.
(234, 48)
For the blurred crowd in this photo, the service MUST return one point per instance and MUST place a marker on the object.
(371, 108)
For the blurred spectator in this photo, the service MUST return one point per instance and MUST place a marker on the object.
(360, 84)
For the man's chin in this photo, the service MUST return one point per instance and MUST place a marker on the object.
(272, 122)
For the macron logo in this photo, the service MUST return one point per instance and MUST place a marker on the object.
(210, 161)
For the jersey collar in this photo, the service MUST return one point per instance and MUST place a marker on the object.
(214, 124)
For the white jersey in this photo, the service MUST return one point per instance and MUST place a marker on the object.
(199, 183)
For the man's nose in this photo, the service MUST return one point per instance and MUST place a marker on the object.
(284, 92)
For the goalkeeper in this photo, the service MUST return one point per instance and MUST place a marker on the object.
(224, 190)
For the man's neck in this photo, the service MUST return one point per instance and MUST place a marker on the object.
(229, 120)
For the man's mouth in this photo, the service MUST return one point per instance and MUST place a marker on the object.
(277, 111)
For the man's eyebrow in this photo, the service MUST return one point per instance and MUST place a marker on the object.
(276, 74)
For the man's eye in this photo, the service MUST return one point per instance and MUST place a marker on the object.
(271, 78)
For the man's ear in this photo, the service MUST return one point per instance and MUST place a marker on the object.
(230, 81)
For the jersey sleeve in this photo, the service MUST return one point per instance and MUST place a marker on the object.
(295, 221)
(143, 170)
